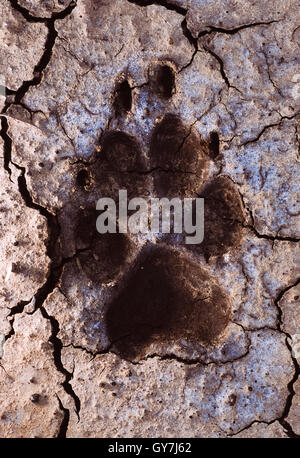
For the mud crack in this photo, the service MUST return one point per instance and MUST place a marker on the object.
(222, 69)
(65, 422)
(165, 4)
(212, 29)
(253, 229)
(55, 271)
(57, 348)
(269, 126)
(45, 58)
(282, 420)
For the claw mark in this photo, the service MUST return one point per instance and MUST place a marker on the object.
(214, 145)
(123, 98)
(164, 80)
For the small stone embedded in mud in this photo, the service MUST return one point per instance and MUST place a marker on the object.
(35, 398)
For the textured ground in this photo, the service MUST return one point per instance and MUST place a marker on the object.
(96, 96)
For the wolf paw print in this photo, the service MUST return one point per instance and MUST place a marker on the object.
(163, 294)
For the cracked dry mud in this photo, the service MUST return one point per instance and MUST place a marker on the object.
(134, 336)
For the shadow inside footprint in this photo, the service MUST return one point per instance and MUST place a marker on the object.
(178, 157)
(121, 151)
(119, 165)
(223, 217)
(102, 256)
(167, 298)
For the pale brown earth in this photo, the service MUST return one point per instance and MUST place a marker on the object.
(64, 299)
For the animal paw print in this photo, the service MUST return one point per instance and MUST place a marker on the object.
(164, 296)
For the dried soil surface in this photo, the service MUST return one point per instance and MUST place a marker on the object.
(144, 336)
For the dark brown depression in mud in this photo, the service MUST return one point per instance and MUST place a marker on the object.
(166, 296)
